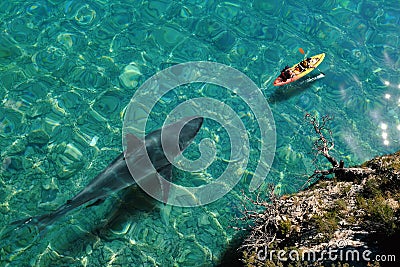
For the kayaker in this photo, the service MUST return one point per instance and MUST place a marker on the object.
(303, 65)
(286, 73)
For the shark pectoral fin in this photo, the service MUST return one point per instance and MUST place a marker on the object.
(96, 203)
(166, 173)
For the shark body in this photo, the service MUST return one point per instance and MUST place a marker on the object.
(117, 175)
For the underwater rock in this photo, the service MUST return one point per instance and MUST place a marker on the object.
(6, 163)
(12, 122)
(72, 40)
(68, 159)
(224, 41)
(208, 28)
(9, 50)
(17, 147)
(168, 36)
(13, 164)
(130, 76)
(38, 137)
(3, 195)
(49, 59)
(48, 195)
(108, 104)
(67, 171)
(191, 49)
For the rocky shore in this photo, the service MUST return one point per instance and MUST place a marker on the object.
(351, 219)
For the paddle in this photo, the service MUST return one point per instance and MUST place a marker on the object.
(302, 52)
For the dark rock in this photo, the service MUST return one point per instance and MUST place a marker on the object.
(38, 137)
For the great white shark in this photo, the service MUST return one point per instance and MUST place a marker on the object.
(118, 175)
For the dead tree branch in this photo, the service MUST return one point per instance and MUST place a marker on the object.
(263, 225)
(323, 145)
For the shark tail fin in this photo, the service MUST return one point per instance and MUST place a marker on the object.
(18, 236)
(22, 234)
(40, 222)
(34, 226)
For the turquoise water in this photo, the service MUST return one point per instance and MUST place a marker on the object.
(69, 68)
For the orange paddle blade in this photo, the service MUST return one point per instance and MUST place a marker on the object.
(301, 50)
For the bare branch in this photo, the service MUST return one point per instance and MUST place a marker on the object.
(263, 225)
(322, 146)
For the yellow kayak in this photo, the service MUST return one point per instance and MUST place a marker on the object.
(300, 70)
